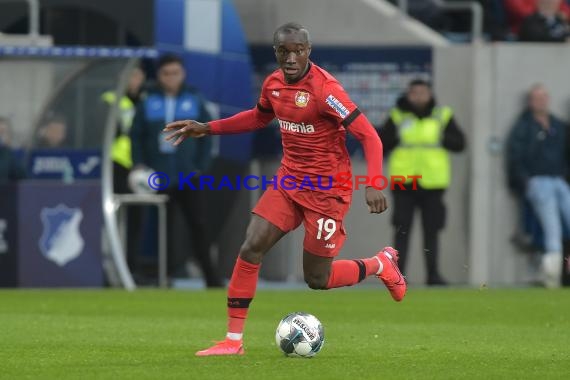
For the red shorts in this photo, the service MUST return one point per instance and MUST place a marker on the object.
(321, 213)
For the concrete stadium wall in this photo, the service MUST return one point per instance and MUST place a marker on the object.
(25, 87)
(487, 85)
(336, 22)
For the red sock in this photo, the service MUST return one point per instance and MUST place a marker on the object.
(240, 294)
(351, 272)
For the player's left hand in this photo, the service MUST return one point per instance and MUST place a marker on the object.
(376, 201)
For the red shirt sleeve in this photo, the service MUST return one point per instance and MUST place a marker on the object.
(520, 8)
(565, 9)
(337, 104)
(246, 121)
(263, 102)
(371, 144)
(517, 11)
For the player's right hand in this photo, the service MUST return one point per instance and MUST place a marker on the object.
(375, 200)
(184, 129)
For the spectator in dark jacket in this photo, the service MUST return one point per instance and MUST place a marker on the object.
(546, 24)
(173, 101)
(537, 157)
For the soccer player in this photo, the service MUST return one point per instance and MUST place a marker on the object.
(314, 113)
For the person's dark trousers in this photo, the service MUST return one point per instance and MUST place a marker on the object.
(134, 216)
(566, 264)
(193, 206)
(433, 212)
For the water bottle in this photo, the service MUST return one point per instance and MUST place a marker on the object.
(67, 174)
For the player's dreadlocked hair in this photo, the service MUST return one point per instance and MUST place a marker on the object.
(289, 28)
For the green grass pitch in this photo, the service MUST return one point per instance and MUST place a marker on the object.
(153, 334)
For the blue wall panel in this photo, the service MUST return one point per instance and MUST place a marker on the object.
(169, 21)
(224, 77)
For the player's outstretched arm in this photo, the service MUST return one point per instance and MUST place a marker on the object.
(245, 121)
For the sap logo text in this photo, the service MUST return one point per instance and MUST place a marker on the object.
(50, 165)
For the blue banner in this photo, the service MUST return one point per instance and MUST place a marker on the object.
(67, 165)
(77, 51)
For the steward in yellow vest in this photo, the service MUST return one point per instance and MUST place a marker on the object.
(419, 135)
(121, 149)
(420, 141)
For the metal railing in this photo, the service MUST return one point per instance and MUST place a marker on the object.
(114, 217)
(473, 6)
(110, 206)
(34, 14)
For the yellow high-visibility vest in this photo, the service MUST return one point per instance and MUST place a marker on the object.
(121, 149)
(420, 151)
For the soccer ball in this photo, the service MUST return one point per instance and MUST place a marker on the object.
(300, 334)
(139, 181)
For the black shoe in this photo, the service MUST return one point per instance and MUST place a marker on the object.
(436, 280)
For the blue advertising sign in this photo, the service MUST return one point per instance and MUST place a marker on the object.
(64, 164)
(55, 235)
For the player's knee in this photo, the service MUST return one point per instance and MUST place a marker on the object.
(316, 280)
(252, 251)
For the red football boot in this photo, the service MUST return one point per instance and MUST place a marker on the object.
(391, 275)
(225, 347)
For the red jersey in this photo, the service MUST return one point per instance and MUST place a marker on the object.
(313, 114)
(310, 113)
